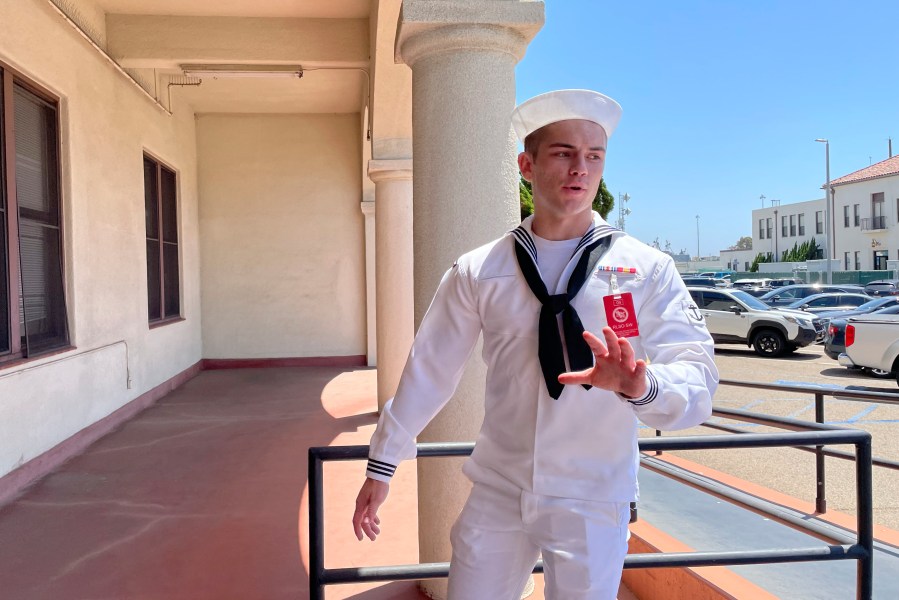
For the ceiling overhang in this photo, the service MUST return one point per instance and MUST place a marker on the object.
(329, 41)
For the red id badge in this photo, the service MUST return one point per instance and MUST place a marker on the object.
(620, 314)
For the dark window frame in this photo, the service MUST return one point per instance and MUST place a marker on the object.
(165, 312)
(17, 346)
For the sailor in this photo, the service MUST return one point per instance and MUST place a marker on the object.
(586, 332)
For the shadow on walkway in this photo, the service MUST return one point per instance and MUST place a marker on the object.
(197, 497)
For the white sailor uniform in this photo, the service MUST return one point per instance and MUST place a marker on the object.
(533, 450)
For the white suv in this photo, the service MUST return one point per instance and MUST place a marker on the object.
(735, 317)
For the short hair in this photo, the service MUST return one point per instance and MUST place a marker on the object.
(532, 142)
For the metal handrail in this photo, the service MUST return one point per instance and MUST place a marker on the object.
(862, 550)
(819, 393)
(843, 393)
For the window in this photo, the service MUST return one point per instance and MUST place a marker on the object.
(717, 301)
(846, 264)
(858, 260)
(792, 225)
(761, 229)
(824, 301)
(878, 220)
(801, 220)
(846, 216)
(855, 215)
(783, 226)
(880, 259)
(819, 221)
(32, 300)
(161, 211)
(768, 227)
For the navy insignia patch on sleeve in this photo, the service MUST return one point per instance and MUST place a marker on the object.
(692, 311)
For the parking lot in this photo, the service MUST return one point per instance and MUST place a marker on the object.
(792, 471)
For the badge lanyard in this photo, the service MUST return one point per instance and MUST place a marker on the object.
(620, 314)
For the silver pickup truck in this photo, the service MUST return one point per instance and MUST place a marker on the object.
(872, 342)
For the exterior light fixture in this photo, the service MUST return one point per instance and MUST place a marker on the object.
(259, 71)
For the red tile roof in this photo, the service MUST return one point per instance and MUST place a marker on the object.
(884, 168)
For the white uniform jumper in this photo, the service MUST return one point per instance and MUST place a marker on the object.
(582, 446)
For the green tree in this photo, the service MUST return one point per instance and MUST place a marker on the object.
(807, 250)
(603, 202)
(744, 243)
(761, 258)
(526, 196)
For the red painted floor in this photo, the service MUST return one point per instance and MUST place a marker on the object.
(202, 496)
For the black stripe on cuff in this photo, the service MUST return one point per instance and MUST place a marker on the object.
(651, 393)
(380, 467)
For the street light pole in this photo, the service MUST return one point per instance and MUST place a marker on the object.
(827, 201)
(698, 255)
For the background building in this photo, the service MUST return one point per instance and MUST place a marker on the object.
(866, 216)
(779, 227)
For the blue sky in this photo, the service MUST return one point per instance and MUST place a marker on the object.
(723, 100)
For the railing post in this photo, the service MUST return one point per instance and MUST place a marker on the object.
(820, 492)
(658, 452)
(316, 531)
(864, 491)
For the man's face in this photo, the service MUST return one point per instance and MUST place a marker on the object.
(566, 170)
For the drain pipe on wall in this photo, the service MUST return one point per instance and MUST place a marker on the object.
(128, 381)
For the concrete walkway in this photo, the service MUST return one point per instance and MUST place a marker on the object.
(202, 496)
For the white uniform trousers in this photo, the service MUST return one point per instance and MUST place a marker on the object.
(502, 530)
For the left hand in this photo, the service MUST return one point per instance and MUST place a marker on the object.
(615, 368)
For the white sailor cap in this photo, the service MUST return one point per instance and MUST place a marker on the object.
(562, 105)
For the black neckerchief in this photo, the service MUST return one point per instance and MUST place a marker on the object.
(549, 350)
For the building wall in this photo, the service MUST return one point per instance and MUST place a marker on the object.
(283, 265)
(738, 260)
(777, 243)
(862, 238)
(106, 125)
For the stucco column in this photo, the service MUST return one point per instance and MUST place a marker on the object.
(463, 55)
(371, 351)
(393, 268)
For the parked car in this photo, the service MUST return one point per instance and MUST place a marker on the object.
(735, 317)
(872, 342)
(829, 301)
(868, 307)
(784, 281)
(835, 338)
(752, 282)
(883, 287)
(756, 291)
(791, 293)
(705, 282)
